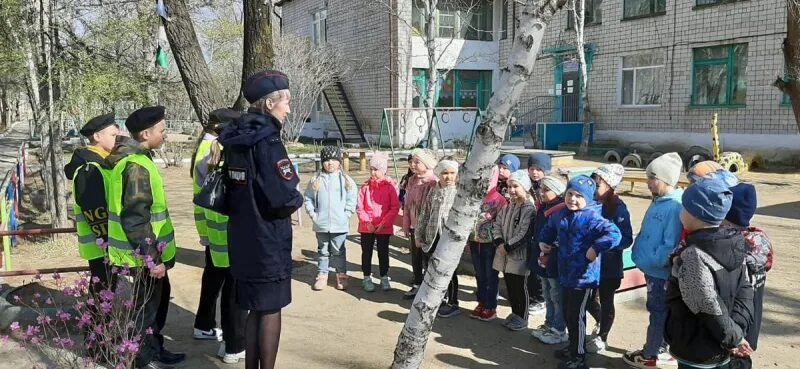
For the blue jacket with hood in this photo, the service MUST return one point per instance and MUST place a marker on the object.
(575, 232)
(659, 235)
(261, 195)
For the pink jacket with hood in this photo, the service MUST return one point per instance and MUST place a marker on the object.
(377, 204)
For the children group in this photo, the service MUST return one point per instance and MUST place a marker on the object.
(559, 245)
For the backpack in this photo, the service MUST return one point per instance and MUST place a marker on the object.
(759, 255)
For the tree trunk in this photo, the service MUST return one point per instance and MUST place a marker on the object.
(258, 53)
(5, 110)
(433, 72)
(580, 22)
(472, 184)
(791, 55)
(195, 74)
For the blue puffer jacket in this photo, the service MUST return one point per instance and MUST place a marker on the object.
(576, 232)
(331, 201)
(659, 235)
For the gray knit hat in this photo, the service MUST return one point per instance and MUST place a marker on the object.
(666, 168)
(554, 184)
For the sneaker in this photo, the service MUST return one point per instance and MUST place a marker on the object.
(446, 311)
(508, 319)
(562, 354)
(517, 324)
(321, 282)
(476, 313)
(596, 330)
(233, 358)
(385, 285)
(368, 285)
(554, 337)
(411, 293)
(487, 315)
(595, 345)
(341, 281)
(537, 332)
(664, 358)
(211, 334)
(574, 363)
(636, 359)
(537, 308)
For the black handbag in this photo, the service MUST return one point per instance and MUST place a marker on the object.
(212, 192)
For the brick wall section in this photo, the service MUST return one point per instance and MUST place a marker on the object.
(759, 23)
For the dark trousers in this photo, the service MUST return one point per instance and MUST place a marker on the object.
(486, 276)
(451, 297)
(601, 305)
(574, 304)
(758, 311)
(517, 287)
(102, 271)
(417, 260)
(152, 299)
(232, 318)
(368, 241)
(535, 289)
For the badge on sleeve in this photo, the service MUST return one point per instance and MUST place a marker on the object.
(285, 170)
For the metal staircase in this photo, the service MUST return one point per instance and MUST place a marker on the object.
(343, 114)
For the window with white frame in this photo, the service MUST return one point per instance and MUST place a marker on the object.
(460, 19)
(642, 79)
(319, 28)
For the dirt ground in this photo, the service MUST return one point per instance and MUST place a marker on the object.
(355, 329)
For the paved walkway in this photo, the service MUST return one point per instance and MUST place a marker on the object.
(9, 146)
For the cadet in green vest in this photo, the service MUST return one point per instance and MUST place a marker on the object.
(216, 274)
(89, 194)
(140, 232)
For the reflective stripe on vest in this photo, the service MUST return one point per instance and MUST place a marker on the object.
(218, 238)
(120, 250)
(199, 213)
(87, 237)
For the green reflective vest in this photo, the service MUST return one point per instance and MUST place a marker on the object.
(199, 213)
(215, 225)
(120, 251)
(91, 224)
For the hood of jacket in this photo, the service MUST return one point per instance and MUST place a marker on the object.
(249, 129)
(80, 157)
(125, 146)
(725, 245)
(379, 183)
(675, 194)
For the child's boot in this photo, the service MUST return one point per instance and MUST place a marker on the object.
(321, 282)
(385, 284)
(367, 284)
(341, 281)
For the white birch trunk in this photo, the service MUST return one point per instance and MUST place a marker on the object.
(433, 71)
(473, 182)
(580, 21)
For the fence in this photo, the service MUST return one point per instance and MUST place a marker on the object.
(11, 192)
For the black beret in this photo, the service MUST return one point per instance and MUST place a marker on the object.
(264, 83)
(97, 123)
(144, 118)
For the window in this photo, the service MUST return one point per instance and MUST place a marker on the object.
(714, 2)
(446, 22)
(642, 79)
(456, 19)
(504, 21)
(718, 75)
(456, 88)
(592, 15)
(319, 28)
(643, 8)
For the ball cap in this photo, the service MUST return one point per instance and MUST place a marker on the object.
(264, 83)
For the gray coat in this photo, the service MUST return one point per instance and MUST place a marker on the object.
(513, 227)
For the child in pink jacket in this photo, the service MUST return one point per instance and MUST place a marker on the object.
(377, 207)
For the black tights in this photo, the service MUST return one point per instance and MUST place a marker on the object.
(263, 333)
(601, 305)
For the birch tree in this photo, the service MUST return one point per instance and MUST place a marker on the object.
(532, 22)
(579, 14)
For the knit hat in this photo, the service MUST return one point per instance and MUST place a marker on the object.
(426, 156)
(330, 153)
(379, 161)
(703, 169)
(554, 184)
(541, 161)
(521, 177)
(444, 165)
(743, 205)
(666, 168)
(611, 174)
(584, 185)
(708, 200)
(510, 161)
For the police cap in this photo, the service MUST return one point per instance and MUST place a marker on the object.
(97, 123)
(264, 83)
(144, 118)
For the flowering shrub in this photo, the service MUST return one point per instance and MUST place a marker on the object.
(104, 327)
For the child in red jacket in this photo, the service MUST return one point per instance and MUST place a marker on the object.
(377, 207)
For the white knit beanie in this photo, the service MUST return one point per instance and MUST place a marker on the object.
(666, 168)
(521, 177)
(444, 165)
(426, 156)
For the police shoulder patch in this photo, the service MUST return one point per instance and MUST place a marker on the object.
(285, 170)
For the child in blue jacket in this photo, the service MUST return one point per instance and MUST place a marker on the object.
(582, 235)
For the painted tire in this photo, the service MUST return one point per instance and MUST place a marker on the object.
(694, 155)
(632, 161)
(733, 162)
(654, 155)
(612, 156)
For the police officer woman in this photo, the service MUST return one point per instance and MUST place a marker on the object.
(261, 195)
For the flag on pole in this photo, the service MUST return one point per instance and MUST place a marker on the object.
(161, 58)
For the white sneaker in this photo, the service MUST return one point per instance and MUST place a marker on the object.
(537, 332)
(665, 359)
(554, 337)
(212, 334)
(595, 345)
(233, 358)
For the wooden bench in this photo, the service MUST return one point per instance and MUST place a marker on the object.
(362, 159)
(682, 183)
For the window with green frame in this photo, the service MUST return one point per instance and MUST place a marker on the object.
(643, 8)
(592, 15)
(456, 88)
(719, 75)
